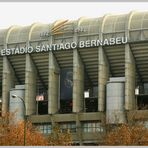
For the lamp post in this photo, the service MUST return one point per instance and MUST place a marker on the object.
(15, 96)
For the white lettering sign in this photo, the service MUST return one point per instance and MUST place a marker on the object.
(64, 46)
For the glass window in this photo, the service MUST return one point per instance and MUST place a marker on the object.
(71, 126)
(146, 124)
(94, 126)
(44, 128)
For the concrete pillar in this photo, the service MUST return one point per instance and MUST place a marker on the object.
(103, 75)
(7, 84)
(79, 129)
(78, 82)
(130, 77)
(30, 86)
(53, 85)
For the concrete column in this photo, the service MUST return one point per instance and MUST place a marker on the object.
(30, 86)
(78, 82)
(7, 84)
(53, 85)
(103, 75)
(130, 77)
(79, 129)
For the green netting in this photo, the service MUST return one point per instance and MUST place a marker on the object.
(38, 29)
(2, 36)
(139, 21)
(115, 23)
(84, 27)
(19, 34)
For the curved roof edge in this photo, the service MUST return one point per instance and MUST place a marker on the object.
(78, 22)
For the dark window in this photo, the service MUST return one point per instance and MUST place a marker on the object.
(42, 107)
(142, 102)
(66, 88)
(65, 106)
(91, 104)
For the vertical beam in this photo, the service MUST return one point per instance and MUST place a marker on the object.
(79, 129)
(103, 75)
(130, 69)
(53, 85)
(8, 83)
(78, 82)
(103, 69)
(8, 76)
(130, 77)
(30, 86)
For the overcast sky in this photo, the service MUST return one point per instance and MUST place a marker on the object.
(28, 13)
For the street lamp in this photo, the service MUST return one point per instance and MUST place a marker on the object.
(15, 96)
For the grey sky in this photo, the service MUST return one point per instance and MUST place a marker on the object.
(28, 13)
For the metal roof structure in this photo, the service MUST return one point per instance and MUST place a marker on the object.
(134, 26)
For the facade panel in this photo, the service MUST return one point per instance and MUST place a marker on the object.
(64, 59)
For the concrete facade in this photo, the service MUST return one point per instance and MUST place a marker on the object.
(30, 86)
(103, 76)
(78, 82)
(53, 91)
(129, 79)
(92, 67)
(8, 83)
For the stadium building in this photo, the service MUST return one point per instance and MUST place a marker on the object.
(81, 74)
